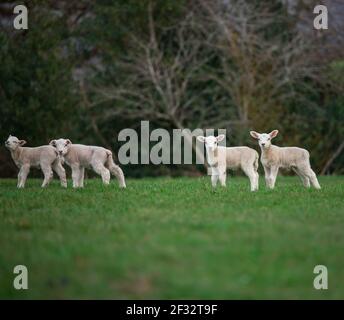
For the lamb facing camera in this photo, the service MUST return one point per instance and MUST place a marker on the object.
(221, 158)
(273, 158)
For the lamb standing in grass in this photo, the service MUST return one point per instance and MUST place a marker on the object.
(44, 157)
(221, 158)
(79, 157)
(294, 158)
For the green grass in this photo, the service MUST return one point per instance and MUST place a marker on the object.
(172, 238)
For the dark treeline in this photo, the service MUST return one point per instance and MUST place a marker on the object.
(85, 70)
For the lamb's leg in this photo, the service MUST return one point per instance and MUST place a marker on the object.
(303, 177)
(257, 180)
(99, 168)
(255, 168)
(214, 179)
(48, 174)
(118, 173)
(312, 177)
(222, 178)
(22, 175)
(273, 176)
(81, 177)
(61, 172)
(251, 174)
(75, 175)
(267, 176)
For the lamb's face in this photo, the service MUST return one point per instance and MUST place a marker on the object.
(12, 143)
(264, 139)
(211, 142)
(61, 146)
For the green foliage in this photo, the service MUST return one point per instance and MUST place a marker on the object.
(40, 100)
(172, 239)
(37, 99)
(113, 20)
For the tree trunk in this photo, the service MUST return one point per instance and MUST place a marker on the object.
(333, 157)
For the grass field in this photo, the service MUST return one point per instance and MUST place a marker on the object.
(172, 238)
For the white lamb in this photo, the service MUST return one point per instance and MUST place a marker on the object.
(79, 157)
(44, 157)
(294, 158)
(221, 158)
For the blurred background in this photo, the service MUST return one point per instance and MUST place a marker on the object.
(85, 70)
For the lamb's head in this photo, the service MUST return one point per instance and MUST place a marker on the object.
(61, 145)
(12, 143)
(211, 142)
(264, 139)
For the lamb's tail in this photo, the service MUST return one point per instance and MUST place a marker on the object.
(115, 169)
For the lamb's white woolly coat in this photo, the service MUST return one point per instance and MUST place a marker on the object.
(43, 157)
(273, 158)
(79, 157)
(220, 159)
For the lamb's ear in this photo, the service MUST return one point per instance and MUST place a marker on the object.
(53, 143)
(220, 137)
(254, 134)
(200, 138)
(273, 133)
(22, 142)
(68, 141)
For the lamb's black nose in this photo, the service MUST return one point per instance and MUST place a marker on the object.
(263, 144)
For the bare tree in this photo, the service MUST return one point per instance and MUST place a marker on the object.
(226, 63)
(258, 69)
(161, 78)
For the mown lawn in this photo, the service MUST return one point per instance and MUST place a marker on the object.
(172, 238)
